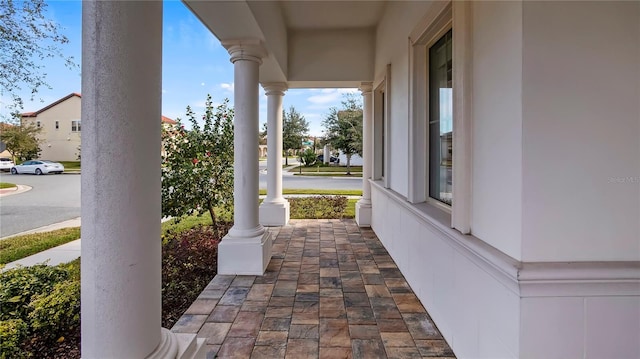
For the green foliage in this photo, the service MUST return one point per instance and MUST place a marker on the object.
(197, 165)
(18, 286)
(57, 311)
(21, 140)
(318, 207)
(38, 305)
(308, 157)
(12, 333)
(294, 129)
(27, 40)
(18, 247)
(343, 128)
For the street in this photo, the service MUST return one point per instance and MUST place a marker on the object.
(52, 199)
(56, 198)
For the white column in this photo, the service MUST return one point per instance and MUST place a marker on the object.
(326, 155)
(246, 249)
(121, 246)
(363, 206)
(274, 210)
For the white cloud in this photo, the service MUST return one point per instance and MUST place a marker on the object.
(330, 96)
(227, 86)
(202, 84)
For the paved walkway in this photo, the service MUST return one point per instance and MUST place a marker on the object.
(331, 291)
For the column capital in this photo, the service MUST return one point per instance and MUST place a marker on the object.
(245, 49)
(275, 88)
(366, 87)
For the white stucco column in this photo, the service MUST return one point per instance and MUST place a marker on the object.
(274, 210)
(363, 206)
(121, 209)
(246, 249)
(326, 154)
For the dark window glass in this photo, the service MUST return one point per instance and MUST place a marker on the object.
(441, 119)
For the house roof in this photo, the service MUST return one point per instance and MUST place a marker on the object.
(34, 114)
(164, 119)
(167, 120)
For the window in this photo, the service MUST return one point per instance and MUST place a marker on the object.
(381, 129)
(75, 126)
(441, 119)
(57, 125)
(38, 124)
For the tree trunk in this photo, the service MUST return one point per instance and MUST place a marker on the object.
(348, 164)
(286, 158)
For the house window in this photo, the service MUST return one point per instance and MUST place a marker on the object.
(57, 125)
(441, 119)
(75, 126)
(38, 124)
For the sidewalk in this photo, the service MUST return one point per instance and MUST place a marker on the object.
(14, 190)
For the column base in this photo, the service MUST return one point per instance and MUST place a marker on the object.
(274, 213)
(363, 213)
(244, 255)
(179, 346)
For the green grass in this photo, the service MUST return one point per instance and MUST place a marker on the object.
(14, 248)
(321, 169)
(338, 192)
(350, 211)
(329, 174)
(188, 222)
(6, 185)
(70, 165)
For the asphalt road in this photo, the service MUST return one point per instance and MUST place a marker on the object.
(56, 198)
(52, 199)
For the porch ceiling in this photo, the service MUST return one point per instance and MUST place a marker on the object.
(310, 43)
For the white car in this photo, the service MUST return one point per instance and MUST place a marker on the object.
(6, 164)
(38, 167)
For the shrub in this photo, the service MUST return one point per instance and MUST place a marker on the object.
(308, 157)
(19, 285)
(318, 207)
(189, 262)
(12, 333)
(56, 313)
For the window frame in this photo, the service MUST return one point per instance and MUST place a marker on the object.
(381, 133)
(57, 125)
(76, 126)
(442, 17)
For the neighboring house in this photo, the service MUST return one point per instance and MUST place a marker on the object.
(533, 251)
(61, 128)
(4, 153)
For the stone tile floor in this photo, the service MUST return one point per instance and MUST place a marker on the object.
(331, 291)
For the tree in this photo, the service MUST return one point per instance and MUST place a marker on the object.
(21, 140)
(343, 128)
(197, 165)
(294, 129)
(27, 38)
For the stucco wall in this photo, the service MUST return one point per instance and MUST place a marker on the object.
(581, 114)
(497, 124)
(59, 144)
(392, 48)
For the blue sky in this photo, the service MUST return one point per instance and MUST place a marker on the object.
(194, 65)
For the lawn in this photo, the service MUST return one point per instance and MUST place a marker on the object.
(14, 248)
(329, 174)
(316, 169)
(71, 165)
(6, 185)
(338, 192)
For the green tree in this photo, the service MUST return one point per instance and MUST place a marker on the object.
(27, 38)
(21, 140)
(308, 157)
(197, 165)
(343, 128)
(294, 129)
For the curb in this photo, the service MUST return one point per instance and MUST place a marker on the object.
(18, 189)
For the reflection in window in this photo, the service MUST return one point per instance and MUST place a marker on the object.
(441, 119)
(75, 126)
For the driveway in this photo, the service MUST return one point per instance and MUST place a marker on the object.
(52, 199)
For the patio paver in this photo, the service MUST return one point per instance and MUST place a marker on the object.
(331, 290)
